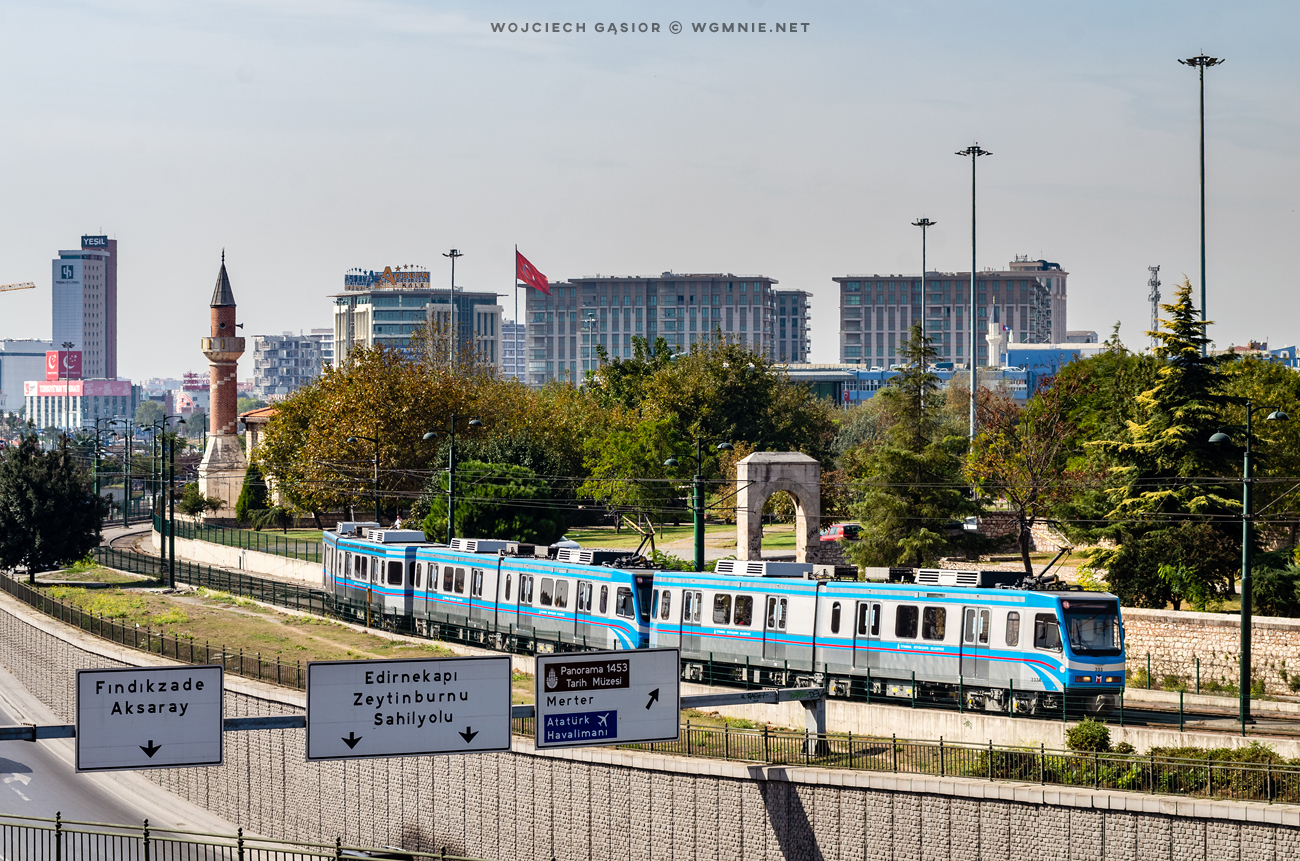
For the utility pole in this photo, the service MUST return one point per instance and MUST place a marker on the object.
(1154, 297)
(1201, 62)
(924, 224)
(974, 152)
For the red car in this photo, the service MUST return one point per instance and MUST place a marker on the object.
(838, 531)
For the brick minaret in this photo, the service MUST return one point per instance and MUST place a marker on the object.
(221, 472)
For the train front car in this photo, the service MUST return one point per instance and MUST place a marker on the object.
(1092, 647)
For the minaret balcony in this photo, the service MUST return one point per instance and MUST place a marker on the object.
(222, 349)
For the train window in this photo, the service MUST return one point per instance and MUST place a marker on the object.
(835, 617)
(623, 602)
(905, 622)
(476, 582)
(419, 574)
(934, 623)
(654, 603)
(875, 620)
(604, 600)
(460, 581)
(695, 609)
(984, 624)
(525, 589)
(864, 618)
(1047, 634)
(776, 608)
(548, 591)
(562, 593)
(744, 611)
(347, 565)
(666, 605)
(584, 596)
(687, 601)
(447, 576)
(1013, 628)
(365, 566)
(507, 586)
(722, 609)
(394, 573)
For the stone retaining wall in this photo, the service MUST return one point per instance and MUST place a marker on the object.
(1175, 640)
(597, 804)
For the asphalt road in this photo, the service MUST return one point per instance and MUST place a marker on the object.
(38, 779)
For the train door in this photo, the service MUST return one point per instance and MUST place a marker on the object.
(692, 613)
(376, 586)
(776, 609)
(975, 625)
(478, 610)
(585, 632)
(866, 635)
(419, 599)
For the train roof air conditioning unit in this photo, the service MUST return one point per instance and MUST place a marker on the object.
(582, 556)
(355, 527)
(478, 545)
(396, 536)
(968, 579)
(755, 568)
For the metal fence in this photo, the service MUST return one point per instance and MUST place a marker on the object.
(247, 539)
(58, 839)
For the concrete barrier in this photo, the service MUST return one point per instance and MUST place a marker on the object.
(241, 559)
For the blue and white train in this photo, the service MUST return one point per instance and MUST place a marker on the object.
(971, 636)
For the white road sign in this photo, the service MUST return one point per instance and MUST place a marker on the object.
(358, 709)
(621, 697)
(149, 717)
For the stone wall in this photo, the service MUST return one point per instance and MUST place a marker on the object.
(597, 804)
(1175, 640)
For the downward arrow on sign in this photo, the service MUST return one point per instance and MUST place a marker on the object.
(468, 735)
(352, 739)
(151, 749)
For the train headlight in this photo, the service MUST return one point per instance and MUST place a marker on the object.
(1114, 680)
(1084, 679)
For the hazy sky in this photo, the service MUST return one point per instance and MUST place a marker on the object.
(309, 136)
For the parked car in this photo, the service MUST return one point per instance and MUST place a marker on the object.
(838, 531)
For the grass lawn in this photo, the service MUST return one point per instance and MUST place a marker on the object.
(605, 536)
(96, 574)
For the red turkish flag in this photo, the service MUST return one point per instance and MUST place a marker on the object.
(527, 273)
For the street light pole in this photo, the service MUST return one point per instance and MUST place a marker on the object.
(1247, 516)
(453, 335)
(974, 152)
(1201, 63)
(374, 481)
(924, 224)
(451, 471)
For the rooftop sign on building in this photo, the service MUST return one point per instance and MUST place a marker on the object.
(63, 365)
(362, 279)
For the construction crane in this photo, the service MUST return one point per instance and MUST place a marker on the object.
(21, 285)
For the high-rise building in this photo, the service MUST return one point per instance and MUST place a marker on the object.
(566, 327)
(20, 361)
(1027, 302)
(283, 363)
(513, 365)
(85, 304)
(790, 339)
(388, 307)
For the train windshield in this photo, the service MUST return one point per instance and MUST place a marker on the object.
(1092, 627)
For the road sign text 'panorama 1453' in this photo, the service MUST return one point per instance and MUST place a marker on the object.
(595, 698)
(358, 709)
(149, 717)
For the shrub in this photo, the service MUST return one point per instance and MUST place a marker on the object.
(1088, 735)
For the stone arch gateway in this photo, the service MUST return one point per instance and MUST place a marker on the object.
(764, 473)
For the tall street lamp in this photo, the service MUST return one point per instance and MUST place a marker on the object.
(375, 440)
(1201, 62)
(925, 224)
(98, 439)
(697, 485)
(167, 468)
(451, 470)
(67, 386)
(974, 152)
(453, 335)
(1246, 517)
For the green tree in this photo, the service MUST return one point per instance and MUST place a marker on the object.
(252, 496)
(1023, 456)
(1165, 468)
(912, 487)
(627, 469)
(1187, 550)
(49, 515)
(194, 503)
(148, 412)
(494, 500)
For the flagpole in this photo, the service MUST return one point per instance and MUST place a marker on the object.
(514, 338)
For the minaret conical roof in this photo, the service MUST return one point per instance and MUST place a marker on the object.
(222, 295)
